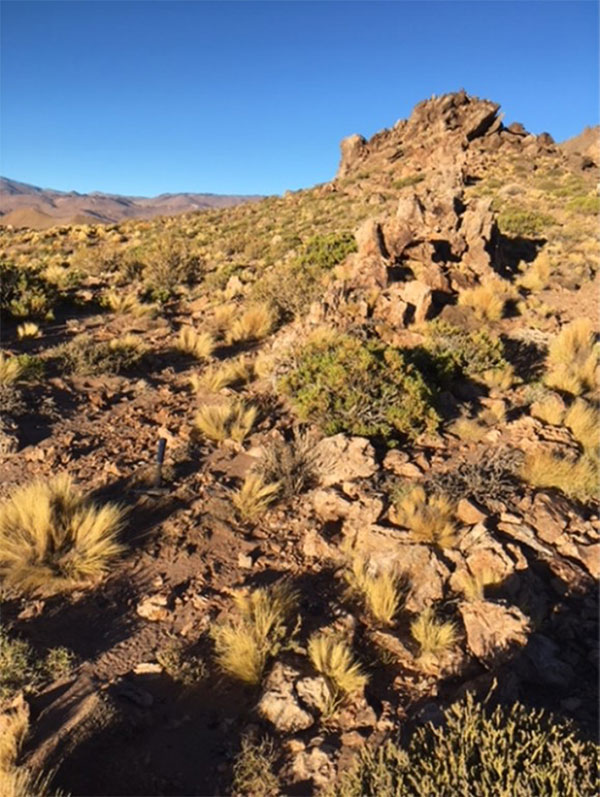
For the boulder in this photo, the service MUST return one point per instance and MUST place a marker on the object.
(419, 295)
(494, 632)
(353, 149)
(279, 702)
(342, 459)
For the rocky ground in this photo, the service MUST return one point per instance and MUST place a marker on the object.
(416, 223)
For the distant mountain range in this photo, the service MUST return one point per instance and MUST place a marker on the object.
(23, 205)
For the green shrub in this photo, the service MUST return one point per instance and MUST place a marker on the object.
(24, 293)
(587, 205)
(168, 264)
(326, 251)
(518, 221)
(459, 352)
(347, 385)
(507, 752)
(85, 357)
(412, 179)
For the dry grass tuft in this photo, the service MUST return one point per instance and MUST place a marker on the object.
(254, 324)
(11, 369)
(197, 344)
(537, 275)
(487, 300)
(224, 316)
(381, 593)
(229, 420)
(577, 479)
(573, 358)
(473, 586)
(244, 645)
(433, 636)
(53, 539)
(127, 304)
(550, 410)
(333, 658)
(28, 330)
(254, 496)
(215, 378)
(293, 464)
(584, 421)
(430, 518)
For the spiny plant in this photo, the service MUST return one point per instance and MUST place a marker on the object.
(252, 499)
(333, 658)
(292, 464)
(430, 518)
(229, 420)
(52, 538)
(434, 636)
(197, 344)
(244, 644)
(381, 592)
(255, 323)
(253, 769)
(573, 358)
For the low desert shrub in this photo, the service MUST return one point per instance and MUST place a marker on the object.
(585, 205)
(252, 499)
(292, 464)
(523, 223)
(180, 665)
(169, 263)
(258, 633)
(368, 389)
(229, 420)
(85, 357)
(430, 518)
(253, 769)
(333, 658)
(480, 752)
(24, 293)
(52, 538)
(381, 592)
(573, 358)
(456, 352)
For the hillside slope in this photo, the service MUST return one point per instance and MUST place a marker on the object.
(379, 401)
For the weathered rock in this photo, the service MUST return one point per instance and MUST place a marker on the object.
(477, 229)
(541, 662)
(342, 458)
(369, 240)
(494, 632)
(353, 150)
(420, 296)
(391, 308)
(153, 608)
(314, 765)
(279, 702)
(468, 512)
(314, 692)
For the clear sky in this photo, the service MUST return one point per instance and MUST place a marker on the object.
(254, 97)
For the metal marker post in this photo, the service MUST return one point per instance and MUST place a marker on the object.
(160, 458)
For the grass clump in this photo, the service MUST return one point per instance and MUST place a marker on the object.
(17, 668)
(550, 409)
(381, 592)
(333, 658)
(245, 644)
(127, 304)
(585, 205)
(537, 275)
(429, 518)
(197, 344)
(255, 323)
(253, 769)
(577, 479)
(583, 420)
(253, 497)
(11, 369)
(214, 378)
(403, 182)
(52, 538)
(487, 300)
(573, 358)
(368, 389)
(505, 752)
(229, 420)
(433, 636)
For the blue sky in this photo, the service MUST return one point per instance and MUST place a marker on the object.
(254, 97)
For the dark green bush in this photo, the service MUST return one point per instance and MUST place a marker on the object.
(507, 752)
(458, 352)
(84, 357)
(521, 222)
(587, 205)
(347, 385)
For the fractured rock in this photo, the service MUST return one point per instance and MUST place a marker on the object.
(494, 632)
(279, 701)
(341, 458)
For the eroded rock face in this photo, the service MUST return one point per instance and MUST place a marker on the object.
(494, 632)
(279, 702)
(342, 459)
(353, 150)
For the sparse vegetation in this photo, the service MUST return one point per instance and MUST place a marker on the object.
(487, 300)
(430, 518)
(434, 636)
(181, 665)
(292, 464)
(576, 479)
(253, 497)
(523, 223)
(28, 330)
(24, 293)
(550, 409)
(459, 352)
(53, 539)
(85, 357)
(253, 769)
(258, 633)
(583, 420)
(197, 344)
(254, 324)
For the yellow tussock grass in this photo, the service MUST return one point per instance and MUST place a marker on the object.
(258, 632)
(430, 518)
(197, 344)
(53, 539)
(550, 410)
(28, 330)
(380, 592)
(127, 304)
(433, 636)
(333, 658)
(228, 420)
(11, 369)
(578, 479)
(584, 422)
(486, 300)
(253, 497)
(255, 323)
(573, 358)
